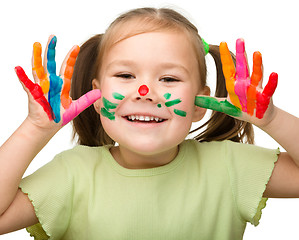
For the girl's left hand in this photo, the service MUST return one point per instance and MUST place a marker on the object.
(246, 100)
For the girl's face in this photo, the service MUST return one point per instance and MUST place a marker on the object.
(149, 83)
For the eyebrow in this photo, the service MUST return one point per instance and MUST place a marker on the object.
(167, 65)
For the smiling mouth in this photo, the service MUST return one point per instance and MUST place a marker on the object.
(144, 119)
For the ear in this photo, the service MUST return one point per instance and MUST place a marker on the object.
(199, 112)
(96, 104)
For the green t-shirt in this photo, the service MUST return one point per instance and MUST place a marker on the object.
(209, 191)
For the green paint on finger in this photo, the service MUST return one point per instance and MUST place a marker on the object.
(159, 105)
(180, 113)
(220, 106)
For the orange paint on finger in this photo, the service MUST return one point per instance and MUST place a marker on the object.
(251, 99)
(66, 100)
(257, 70)
(39, 69)
(229, 73)
(228, 66)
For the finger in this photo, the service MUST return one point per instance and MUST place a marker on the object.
(256, 77)
(55, 81)
(220, 106)
(257, 71)
(228, 66)
(67, 73)
(38, 69)
(80, 105)
(50, 54)
(228, 69)
(241, 60)
(35, 90)
(271, 85)
(263, 99)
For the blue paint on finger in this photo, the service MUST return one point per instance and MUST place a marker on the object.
(51, 64)
(54, 96)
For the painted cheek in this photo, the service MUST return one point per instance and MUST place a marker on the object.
(108, 106)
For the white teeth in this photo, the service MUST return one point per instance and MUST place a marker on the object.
(144, 118)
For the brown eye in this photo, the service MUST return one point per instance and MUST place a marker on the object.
(169, 79)
(125, 76)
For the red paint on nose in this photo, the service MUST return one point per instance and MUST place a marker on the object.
(143, 90)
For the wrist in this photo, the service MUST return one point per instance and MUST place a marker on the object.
(30, 129)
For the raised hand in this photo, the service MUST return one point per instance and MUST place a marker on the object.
(245, 94)
(51, 91)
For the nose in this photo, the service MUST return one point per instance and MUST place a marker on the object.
(144, 93)
(143, 90)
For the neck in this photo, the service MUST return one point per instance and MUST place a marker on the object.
(133, 160)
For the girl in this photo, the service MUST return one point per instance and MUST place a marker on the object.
(147, 71)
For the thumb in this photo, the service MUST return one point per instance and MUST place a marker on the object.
(218, 104)
(80, 105)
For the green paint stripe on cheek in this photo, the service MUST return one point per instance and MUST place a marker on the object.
(109, 105)
(109, 115)
(167, 96)
(180, 113)
(172, 102)
(118, 96)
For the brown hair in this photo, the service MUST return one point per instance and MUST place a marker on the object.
(87, 126)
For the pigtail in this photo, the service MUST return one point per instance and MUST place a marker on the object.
(221, 126)
(87, 126)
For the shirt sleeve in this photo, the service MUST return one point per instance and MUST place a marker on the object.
(50, 189)
(250, 168)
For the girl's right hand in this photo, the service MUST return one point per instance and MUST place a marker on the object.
(50, 105)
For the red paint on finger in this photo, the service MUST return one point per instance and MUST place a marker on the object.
(35, 90)
(263, 99)
(271, 85)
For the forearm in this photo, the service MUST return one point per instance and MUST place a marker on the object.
(284, 128)
(15, 156)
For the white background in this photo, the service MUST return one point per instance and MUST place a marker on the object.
(268, 26)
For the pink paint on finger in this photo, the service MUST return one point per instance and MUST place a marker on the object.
(242, 75)
(241, 61)
(35, 90)
(80, 105)
(241, 88)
